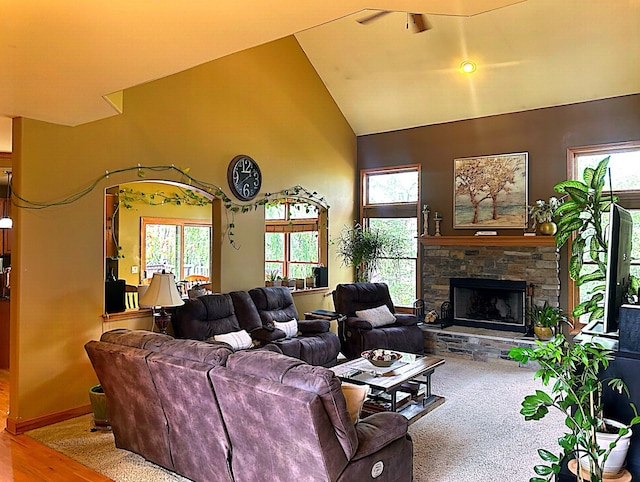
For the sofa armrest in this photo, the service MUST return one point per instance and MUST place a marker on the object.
(359, 323)
(265, 336)
(406, 319)
(377, 431)
(309, 327)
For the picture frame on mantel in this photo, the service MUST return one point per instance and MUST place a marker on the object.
(491, 191)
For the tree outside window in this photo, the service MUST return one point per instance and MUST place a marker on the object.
(390, 205)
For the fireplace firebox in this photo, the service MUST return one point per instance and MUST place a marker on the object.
(488, 303)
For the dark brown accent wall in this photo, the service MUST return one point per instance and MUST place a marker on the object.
(544, 133)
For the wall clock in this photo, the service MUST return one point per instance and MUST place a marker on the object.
(244, 177)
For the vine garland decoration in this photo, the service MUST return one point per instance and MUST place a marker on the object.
(296, 193)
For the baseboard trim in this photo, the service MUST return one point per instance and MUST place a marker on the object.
(16, 427)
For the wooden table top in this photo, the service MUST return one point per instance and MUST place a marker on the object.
(408, 367)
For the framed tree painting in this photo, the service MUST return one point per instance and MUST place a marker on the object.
(491, 192)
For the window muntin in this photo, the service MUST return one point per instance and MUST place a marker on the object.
(390, 203)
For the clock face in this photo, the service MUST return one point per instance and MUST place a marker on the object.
(245, 178)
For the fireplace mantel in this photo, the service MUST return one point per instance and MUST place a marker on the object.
(487, 240)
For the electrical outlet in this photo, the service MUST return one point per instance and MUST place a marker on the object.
(134, 270)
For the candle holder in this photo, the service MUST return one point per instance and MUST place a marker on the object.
(437, 221)
(425, 223)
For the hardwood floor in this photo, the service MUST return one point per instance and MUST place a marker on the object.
(24, 459)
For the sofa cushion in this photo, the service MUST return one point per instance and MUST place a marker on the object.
(290, 328)
(198, 351)
(378, 316)
(136, 338)
(206, 316)
(238, 340)
(274, 304)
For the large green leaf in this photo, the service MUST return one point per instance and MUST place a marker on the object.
(586, 278)
(587, 175)
(562, 237)
(562, 186)
(575, 265)
(570, 221)
(597, 182)
(568, 206)
(577, 195)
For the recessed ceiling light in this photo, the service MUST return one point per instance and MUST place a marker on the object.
(468, 67)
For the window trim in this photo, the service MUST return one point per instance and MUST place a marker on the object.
(630, 199)
(145, 220)
(288, 225)
(395, 210)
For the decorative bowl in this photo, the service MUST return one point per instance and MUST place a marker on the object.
(381, 358)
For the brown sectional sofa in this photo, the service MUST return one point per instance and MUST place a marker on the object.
(209, 414)
(256, 312)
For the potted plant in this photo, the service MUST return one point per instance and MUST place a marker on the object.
(363, 249)
(581, 220)
(574, 372)
(541, 213)
(545, 320)
(271, 277)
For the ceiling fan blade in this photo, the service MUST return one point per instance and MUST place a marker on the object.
(420, 22)
(373, 17)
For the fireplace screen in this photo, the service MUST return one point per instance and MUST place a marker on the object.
(486, 303)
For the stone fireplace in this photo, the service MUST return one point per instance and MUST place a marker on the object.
(530, 262)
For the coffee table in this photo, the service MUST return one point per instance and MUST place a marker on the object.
(404, 387)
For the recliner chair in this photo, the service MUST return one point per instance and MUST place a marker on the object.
(315, 343)
(357, 334)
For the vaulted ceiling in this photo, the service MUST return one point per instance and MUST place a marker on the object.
(59, 59)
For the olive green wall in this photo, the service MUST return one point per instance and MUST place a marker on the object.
(266, 102)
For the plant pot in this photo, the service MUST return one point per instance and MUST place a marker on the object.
(616, 459)
(299, 283)
(311, 282)
(277, 282)
(543, 333)
(268, 283)
(548, 229)
(285, 283)
(99, 406)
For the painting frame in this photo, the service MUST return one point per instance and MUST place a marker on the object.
(491, 192)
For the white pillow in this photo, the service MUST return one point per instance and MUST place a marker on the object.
(354, 395)
(239, 340)
(289, 327)
(379, 316)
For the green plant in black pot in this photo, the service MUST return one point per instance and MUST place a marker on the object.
(574, 373)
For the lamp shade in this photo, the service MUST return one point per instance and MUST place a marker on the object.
(161, 292)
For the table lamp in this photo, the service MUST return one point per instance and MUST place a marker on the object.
(162, 292)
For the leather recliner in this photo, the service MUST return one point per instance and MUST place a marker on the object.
(357, 334)
(314, 344)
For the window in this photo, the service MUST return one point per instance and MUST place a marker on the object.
(624, 168)
(295, 239)
(390, 204)
(178, 246)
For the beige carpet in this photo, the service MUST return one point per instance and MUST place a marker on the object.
(478, 434)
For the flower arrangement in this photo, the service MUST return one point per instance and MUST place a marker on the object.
(543, 211)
